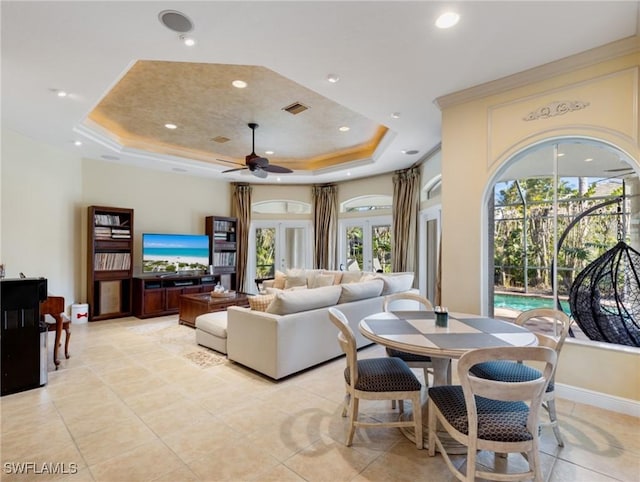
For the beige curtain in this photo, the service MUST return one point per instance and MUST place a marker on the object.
(325, 224)
(404, 226)
(241, 209)
(438, 294)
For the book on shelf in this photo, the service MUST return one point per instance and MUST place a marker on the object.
(109, 220)
(112, 261)
(224, 259)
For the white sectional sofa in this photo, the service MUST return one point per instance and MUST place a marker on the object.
(294, 333)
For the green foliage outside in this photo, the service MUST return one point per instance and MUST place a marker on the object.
(533, 214)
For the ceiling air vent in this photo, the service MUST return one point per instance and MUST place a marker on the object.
(295, 108)
(220, 139)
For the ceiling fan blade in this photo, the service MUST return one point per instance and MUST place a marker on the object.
(236, 169)
(621, 169)
(230, 162)
(259, 172)
(277, 169)
(257, 161)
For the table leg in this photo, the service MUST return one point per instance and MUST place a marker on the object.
(57, 342)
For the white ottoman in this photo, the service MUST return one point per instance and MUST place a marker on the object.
(211, 331)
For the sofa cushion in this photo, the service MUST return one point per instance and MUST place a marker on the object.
(351, 277)
(396, 282)
(260, 302)
(213, 323)
(295, 301)
(360, 291)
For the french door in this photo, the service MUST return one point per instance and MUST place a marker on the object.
(365, 244)
(279, 246)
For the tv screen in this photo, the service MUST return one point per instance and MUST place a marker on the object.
(173, 253)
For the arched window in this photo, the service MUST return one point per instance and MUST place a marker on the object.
(374, 202)
(281, 207)
(542, 228)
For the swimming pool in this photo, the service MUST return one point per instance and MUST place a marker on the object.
(524, 303)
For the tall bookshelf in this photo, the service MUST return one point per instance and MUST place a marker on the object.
(222, 253)
(109, 263)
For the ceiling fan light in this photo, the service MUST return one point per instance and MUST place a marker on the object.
(447, 20)
(239, 84)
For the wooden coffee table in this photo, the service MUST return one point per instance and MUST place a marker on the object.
(192, 306)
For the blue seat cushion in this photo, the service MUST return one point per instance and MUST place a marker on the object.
(408, 357)
(507, 371)
(384, 375)
(497, 420)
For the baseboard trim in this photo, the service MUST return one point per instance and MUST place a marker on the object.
(598, 399)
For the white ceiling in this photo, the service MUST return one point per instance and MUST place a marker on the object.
(389, 56)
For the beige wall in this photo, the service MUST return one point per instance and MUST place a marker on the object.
(480, 134)
(45, 195)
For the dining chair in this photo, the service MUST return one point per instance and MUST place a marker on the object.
(495, 416)
(411, 359)
(383, 378)
(517, 371)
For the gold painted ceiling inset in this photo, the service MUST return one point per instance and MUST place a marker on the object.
(201, 101)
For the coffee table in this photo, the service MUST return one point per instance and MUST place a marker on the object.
(194, 305)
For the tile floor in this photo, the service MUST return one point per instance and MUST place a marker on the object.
(133, 406)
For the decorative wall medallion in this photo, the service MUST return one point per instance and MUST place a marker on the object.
(553, 109)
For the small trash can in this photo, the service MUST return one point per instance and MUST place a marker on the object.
(79, 313)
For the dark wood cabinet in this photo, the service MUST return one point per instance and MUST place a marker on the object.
(222, 252)
(109, 263)
(160, 295)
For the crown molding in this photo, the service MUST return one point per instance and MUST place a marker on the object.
(587, 58)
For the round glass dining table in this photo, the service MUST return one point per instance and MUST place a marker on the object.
(417, 332)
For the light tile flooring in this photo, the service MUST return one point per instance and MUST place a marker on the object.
(130, 406)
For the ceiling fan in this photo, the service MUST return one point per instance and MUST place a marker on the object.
(257, 165)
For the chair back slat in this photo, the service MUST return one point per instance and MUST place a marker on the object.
(557, 316)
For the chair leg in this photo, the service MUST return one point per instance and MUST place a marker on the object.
(56, 344)
(66, 341)
(533, 458)
(417, 419)
(401, 406)
(352, 420)
(471, 463)
(551, 408)
(393, 404)
(433, 426)
(345, 405)
(426, 377)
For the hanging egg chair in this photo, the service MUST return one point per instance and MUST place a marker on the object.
(605, 297)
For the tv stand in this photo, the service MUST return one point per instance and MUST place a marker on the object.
(159, 295)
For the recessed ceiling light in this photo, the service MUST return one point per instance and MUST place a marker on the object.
(344, 128)
(269, 152)
(109, 157)
(239, 84)
(409, 152)
(188, 41)
(560, 154)
(588, 159)
(61, 93)
(447, 20)
(333, 78)
(77, 143)
(171, 126)
(278, 179)
(395, 115)
(348, 173)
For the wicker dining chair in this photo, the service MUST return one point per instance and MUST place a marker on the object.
(384, 378)
(515, 371)
(490, 415)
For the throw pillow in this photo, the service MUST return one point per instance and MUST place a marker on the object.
(351, 277)
(337, 276)
(293, 281)
(289, 302)
(360, 291)
(260, 302)
(278, 281)
(321, 280)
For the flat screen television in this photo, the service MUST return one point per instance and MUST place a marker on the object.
(173, 253)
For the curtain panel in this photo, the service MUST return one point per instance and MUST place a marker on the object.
(325, 224)
(404, 225)
(241, 209)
